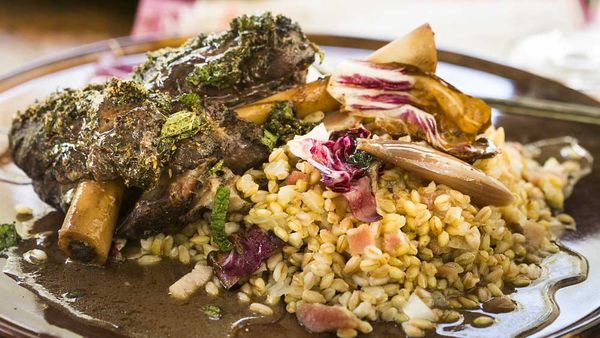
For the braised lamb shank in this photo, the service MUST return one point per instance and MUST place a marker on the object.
(163, 131)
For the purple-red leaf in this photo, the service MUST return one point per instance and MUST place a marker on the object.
(250, 249)
(335, 159)
(406, 100)
(343, 168)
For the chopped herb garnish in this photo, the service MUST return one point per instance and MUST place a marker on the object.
(220, 71)
(360, 158)
(8, 236)
(269, 139)
(181, 125)
(283, 123)
(75, 294)
(126, 91)
(212, 311)
(218, 218)
(215, 168)
(191, 100)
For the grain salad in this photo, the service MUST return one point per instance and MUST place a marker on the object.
(432, 253)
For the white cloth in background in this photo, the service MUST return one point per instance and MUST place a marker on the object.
(486, 28)
(489, 29)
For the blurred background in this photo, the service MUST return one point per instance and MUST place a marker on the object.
(559, 39)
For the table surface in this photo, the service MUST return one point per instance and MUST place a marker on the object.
(32, 29)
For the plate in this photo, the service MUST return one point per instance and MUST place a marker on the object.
(23, 315)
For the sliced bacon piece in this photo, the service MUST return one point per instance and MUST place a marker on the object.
(361, 200)
(359, 238)
(429, 198)
(534, 232)
(295, 176)
(324, 318)
(392, 240)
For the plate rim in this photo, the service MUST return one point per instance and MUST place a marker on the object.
(138, 44)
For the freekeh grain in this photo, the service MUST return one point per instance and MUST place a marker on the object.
(441, 247)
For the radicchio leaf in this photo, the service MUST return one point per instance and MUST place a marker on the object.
(301, 145)
(250, 249)
(339, 161)
(424, 126)
(425, 106)
(343, 168)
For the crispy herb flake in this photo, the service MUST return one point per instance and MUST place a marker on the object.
(360, 158)
(269, 139)
(221, 71)
(191, 100)
(212, 311)
(283, 123)
(75, 294)
(215, 168)
(126, 91)
(218, 218)
(181, 125)
(8, 236)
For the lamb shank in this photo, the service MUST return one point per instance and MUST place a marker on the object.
(161, 133)
(258, 55)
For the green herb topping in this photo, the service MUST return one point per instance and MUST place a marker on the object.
(283, 123)
(360, 158)
(212, 311)
(215, 168)
(181, 125)
(8, 236)
(269, 139)
(221, 71)
(126, 91)
(218, 218)
(75, 294)
(191, 100)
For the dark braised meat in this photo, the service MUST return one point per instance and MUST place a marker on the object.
(258, 55)
(65, 138)
(120, 131)
(161, 138)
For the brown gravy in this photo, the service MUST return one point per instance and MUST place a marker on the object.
(126, 299)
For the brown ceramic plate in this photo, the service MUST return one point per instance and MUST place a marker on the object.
(575, 307)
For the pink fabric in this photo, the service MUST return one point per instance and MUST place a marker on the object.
(157, 17)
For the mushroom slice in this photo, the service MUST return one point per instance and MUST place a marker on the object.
(441, 168)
